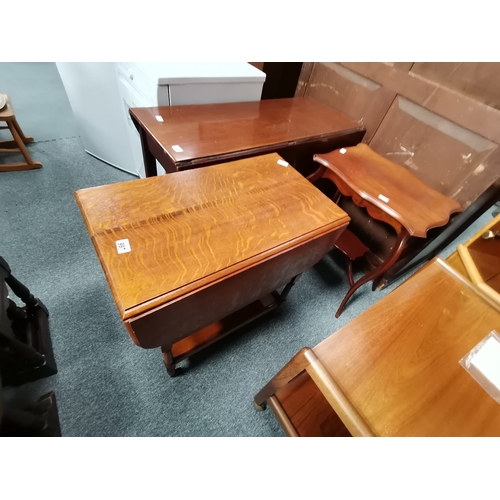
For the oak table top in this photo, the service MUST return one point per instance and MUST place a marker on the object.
(228, 233)
(183, 137)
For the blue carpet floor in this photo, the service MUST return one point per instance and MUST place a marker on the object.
(39, 99)
(106, 386)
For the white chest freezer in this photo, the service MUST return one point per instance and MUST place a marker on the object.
(171, 84)
(101, 94)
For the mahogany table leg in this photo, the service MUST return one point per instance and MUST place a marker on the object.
(350, 275)
(337, 197)
(288, 287)
(149, 159)
(168, 360)
(396, 251)
(376, 282)
(317, 175)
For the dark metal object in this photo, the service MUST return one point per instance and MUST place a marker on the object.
(39, 420)
(25, 347)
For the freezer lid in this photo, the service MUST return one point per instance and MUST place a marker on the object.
(176, 73)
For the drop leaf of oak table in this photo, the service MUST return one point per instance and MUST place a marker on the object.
(205, 243)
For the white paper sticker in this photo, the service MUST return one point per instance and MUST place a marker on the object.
(383, 198)
(123, 246)
(283, 162)
(159, 118)
(177, 148)
(487, 361)
(343, 151)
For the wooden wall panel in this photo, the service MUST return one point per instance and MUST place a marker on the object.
(461, 109)
(403, 66)
(305, 75)
(441, 153)
(478, 80)
(353, 94)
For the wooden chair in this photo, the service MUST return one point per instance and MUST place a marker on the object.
(18, 144)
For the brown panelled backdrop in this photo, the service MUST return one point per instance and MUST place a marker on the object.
(439, 120)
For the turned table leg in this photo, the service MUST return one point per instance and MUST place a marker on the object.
(168, 360)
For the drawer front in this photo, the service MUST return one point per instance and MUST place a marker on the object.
(138, 83)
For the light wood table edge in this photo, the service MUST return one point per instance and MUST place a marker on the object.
(478, 290)
(339, 402)
(306, 360)
(282, 417)
(469, 265)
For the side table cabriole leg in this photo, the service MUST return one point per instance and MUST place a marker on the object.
(393, 256)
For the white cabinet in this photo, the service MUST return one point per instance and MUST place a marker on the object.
(93, 93)
(173, 84)
(101, 94)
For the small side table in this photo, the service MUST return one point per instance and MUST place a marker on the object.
(390, 194)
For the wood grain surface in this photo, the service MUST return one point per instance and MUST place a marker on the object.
(410, 201)
(308, 409)
(398, 362)
(209, 130)
(192, 228)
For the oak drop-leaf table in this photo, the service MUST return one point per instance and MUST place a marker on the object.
(192, 256)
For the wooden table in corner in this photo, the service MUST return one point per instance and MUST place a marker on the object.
(192, 256)
(394, 370)
(193, 136)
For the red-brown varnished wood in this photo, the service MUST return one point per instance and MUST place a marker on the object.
(194, 228)
(17, 145)
(413, 204)
(224, 131)
(403, 374)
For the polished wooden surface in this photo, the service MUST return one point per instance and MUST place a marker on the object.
(395, 368)
(403, 374)
(416, 206)
(222, 131)
(210, 248)
(196, 227)
(314, 406)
